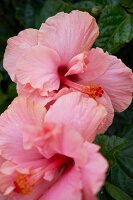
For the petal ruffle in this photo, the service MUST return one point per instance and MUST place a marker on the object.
(98, 63)
(93, 173)
(69, 34)
(65, 141)
(67, 187)
(35, 94)
(12, 122)
(112, 75)
(39, 68)
(79, 112)
(106, 102)
(16, 47)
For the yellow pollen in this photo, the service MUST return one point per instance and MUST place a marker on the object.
(93, 90)
(24, 184)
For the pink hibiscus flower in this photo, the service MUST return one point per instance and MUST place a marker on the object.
(59, 55)
(44, 153)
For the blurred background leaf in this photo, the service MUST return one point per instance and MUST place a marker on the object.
(115, 20)
(50, 8)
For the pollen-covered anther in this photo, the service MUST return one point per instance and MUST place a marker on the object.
(24, 184)
(93, 90)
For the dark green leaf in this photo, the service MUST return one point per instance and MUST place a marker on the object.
(116, 192)
(128, 133)
(12, 91)
(122, 124)
(127, 3)
(116, 28)
(110, 146)
(103, 195)
(3, 101)
(125, 160)
(122, 180)
(89, 6)
(94, 7)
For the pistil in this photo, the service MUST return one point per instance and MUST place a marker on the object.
(93, 90)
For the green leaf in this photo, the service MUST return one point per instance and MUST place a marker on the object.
(123, 124)
(50, 8)
(94, 7)
(122, 180)
(116, 192)
(3, 101)
(110, 146)
(103, 195)
(90, 6)
(12, 93)
(128, 133)
(122, 171)
(127, 3)
(125, 160)
(116, 28)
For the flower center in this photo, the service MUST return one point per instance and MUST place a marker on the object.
(24, 184)
(93, 90)
(50, 171)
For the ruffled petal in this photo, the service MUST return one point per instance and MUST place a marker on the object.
(117, 81)
(65, 141)
(67, 187)
(106, 102)
(34, 94)
(112, 75)
(98, 63)
(12, 123)
(78, 64)
(16, 47)
(93, 173)
(78, 112)
(39, 67)
(69, 34)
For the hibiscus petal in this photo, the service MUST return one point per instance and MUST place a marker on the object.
(117, 81)
(106, 102)
(39, 67)
(34, 94)
(65, 141)
(93, 173)
(16, 48)
(4, 198)
(78, 64)
(112, 75)
(69, 34)
(6, 184)
(12, 122)
(67, 187)
(98, 63)
(36, 194)
(78, 112)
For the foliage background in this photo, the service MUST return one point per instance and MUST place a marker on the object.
(115, 20)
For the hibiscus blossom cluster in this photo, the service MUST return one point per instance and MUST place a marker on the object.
(67, 94)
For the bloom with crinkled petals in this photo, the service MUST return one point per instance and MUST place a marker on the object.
(59, 55)
(42, 157)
